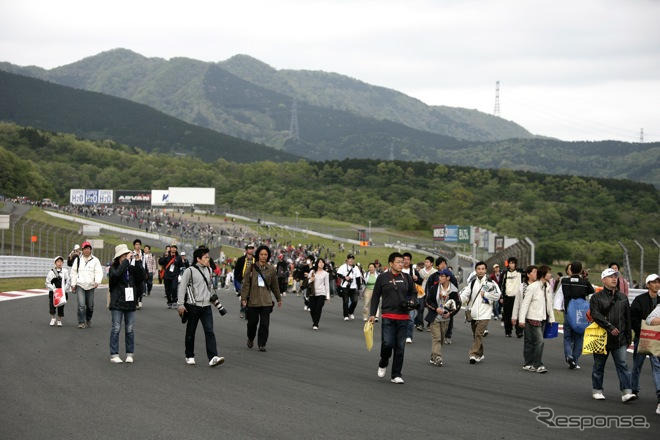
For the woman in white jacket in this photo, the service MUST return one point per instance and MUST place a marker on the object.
(535, 311)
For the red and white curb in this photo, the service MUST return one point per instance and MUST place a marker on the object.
(18, 294)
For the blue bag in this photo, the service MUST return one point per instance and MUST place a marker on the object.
(576, 315)
(551, 330)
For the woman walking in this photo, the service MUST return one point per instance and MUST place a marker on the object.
(370, 280)
(57, 278)
(122, 299)
(259, 282)
(319, 291)
(535, 311)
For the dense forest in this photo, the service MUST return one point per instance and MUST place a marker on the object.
(568, 216)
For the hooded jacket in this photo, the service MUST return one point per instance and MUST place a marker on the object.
(432, 288)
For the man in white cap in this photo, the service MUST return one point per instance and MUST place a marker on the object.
(640, 309)
(610, 309)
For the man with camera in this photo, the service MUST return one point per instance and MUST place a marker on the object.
(399, 297)
(194, 305)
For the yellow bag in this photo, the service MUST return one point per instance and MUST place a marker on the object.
(369, 334)
(595, 339)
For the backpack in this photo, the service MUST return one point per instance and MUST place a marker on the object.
(576, 315)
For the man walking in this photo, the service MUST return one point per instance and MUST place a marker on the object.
(396, 291)
(152, 268)
(239, 272)
(510, 283)
(610, 310)
(351, 278)
(171, 264)
(86, 275)
(640, 309)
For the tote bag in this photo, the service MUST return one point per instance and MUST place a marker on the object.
(595, 339)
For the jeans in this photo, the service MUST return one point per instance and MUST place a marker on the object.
(171, 285)
(85, 304)
(533, 346)
(129, 323)
(150, 282)
(450, 327)
(412, 315)
(419, 317)
(572, 343)
(506, 315)
(638, 362)
(316, 304)
(349, 301)
(196, 314)
(497, 309)
(619, 356)
(393, 339)
(258, 316)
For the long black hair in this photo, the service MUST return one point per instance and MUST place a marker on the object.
(259, 249)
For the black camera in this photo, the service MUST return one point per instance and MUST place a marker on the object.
(216, 302)
(409, 304)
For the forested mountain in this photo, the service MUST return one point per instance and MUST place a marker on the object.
(49, 106)
(567, 216)
(255, 103)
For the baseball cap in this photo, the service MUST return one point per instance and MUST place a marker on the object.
(59, 257)
(445, 272)
(249, 245)
(608, 273)
(76, 247)
(650, 278)
(85, 244)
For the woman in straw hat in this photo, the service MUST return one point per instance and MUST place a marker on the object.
(122, 300)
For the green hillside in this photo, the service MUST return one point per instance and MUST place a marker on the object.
(567, 216)
(42, 104)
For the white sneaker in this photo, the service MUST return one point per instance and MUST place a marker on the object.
(352, 317)
(629, 397)
(381, 372)
(217, 360)
(473, 360)
(305, 308)
(598, 395)
(52, 322)
(480, 358)
(129, 358)
(408, 340)
(190, 361)
(116, 359)
(345, 318)
(59, 323)
(657, 409)
(139, 306)
(397, 380)
(314, 327)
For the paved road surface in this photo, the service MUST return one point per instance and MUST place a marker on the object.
(57, 383)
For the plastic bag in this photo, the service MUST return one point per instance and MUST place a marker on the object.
(595, 339)
(369, 334)
(551, 330)
(59, 297)
(649, 339)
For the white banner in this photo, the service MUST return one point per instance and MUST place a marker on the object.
(160, 197)
(77, 197)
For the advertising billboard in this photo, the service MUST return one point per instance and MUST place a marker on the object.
(160, 197)
(191, 196)
(464, 234)
(91, 196)
(439, 233)
(77, 196)
(451, 233)
(133, 197)
(105, 197)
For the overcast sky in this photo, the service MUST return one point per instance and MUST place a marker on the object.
(585, 69)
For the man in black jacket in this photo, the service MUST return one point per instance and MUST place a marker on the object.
(398, 298)
(639, 311)
(171, 263)
(573, 287)
(610, 310)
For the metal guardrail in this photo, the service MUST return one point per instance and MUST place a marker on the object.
(24, 267)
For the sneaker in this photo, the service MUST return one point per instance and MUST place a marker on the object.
(419, 327)
(508, 335)
(448, 341)
(381, 372)
(129, 358)
(397, 380)
(598, 395)
(190, 361)
(571, 364)
(657, 409)
(495, 318)
(352, 316)
(139, 305)
(88, 324)
(473, 360)
(437, 363)
(305, 308)
(82, 325)
(250, 344)
(52, 322)
(628, 397)
(364, 319)
(480, 358)
(408, 340)
(59, 323)
(577, 367)
(242, 315)
(115, 359)
(345, 318)
(485, 333)
(217, 360)
(376, 320)
(529, 368)
(262, 348)
(502, 324)
(541, 369)
(315, 327)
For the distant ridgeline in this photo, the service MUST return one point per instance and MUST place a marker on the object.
(337, 116)
(568, 216)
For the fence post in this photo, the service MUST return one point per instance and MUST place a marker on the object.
(641, 262)
(627, 263)
(658, 245)
(23, 237)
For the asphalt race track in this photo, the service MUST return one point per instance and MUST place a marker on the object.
(58, 383)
